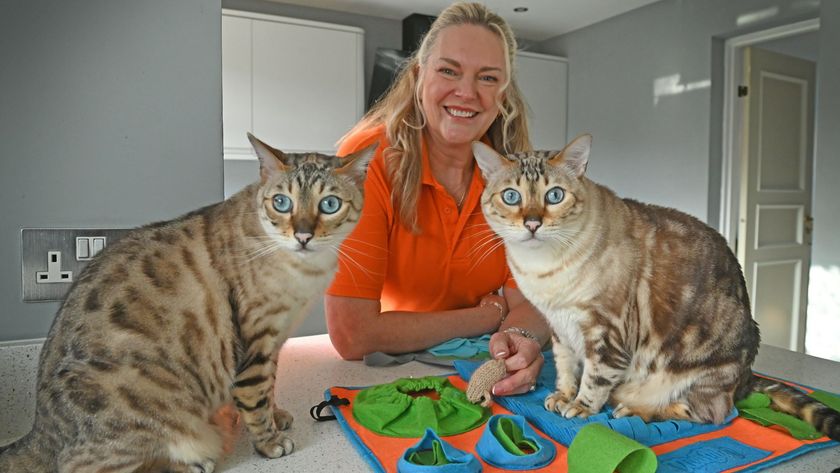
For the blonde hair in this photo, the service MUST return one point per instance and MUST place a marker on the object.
(400, 111)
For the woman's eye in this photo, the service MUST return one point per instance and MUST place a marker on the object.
(282, 203)
(330, 204)
(554, 195)
(511, 197)
(489, 79)
(446, 71)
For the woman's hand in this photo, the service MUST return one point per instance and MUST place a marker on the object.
(497, 302)
(523, 360)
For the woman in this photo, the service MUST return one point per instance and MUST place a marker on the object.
(422, 265)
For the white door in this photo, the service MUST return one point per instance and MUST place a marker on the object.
(774, 244)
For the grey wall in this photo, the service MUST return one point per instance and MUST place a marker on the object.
(803, 46)
(657, 149)
(110, 116)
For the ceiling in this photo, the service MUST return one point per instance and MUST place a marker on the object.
(544, 18)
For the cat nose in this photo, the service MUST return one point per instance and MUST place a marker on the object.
(533, 224)
(303, 238)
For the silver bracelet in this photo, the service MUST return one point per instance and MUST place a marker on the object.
(523, 333)
(502, 314)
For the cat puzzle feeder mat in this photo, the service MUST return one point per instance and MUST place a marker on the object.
(384, 423)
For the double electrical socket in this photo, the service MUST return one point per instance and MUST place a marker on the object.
(53, 258)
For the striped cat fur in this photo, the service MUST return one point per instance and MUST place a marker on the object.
(648, 306)
(178, 319)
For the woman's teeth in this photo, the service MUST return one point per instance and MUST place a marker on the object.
(460, 113)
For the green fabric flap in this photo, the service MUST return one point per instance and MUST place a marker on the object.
(756, 407)
(598, 449)
(392, 410)
(799, 429)
(754, 400)
(511, 437)
(433, 457)
(830, 400)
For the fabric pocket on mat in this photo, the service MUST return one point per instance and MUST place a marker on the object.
(710, 456)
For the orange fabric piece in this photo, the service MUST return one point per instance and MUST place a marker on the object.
(453, 262)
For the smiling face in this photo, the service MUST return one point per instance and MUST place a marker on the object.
(461, 80)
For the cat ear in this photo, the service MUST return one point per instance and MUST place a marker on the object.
(575, 156)
(272, 160)
(489, 161)
(355, 165)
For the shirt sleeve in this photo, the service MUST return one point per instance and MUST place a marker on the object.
(363, 259)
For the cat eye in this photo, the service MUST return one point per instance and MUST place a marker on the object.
(330, 204)
(282, 203)
(554, 195)
(511, 197)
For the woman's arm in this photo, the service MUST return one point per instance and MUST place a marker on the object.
(357, 327)
(522, 355)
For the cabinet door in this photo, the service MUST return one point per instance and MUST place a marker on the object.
(236, 84)
(543, 82)
(307, 89)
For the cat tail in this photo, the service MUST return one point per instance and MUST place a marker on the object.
(794, 402)
(24, 456)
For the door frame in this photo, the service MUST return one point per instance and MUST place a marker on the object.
(732, 157)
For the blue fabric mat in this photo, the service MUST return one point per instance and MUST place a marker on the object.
(710, 456)
(530, 406)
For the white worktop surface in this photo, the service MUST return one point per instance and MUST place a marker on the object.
(307, 366)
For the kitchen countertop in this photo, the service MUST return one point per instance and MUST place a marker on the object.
(307, 366)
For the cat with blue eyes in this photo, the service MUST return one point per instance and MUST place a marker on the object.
(179, 319)
(647, 305)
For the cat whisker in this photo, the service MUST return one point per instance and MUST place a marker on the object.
(490, 251)
(473, 225)
(485, 231)
(487, 240)
(360, 252)
(356, 263)
(337, 250)
(366, 243)
(262, 251)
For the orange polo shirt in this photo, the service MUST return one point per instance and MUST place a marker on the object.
(453, 262)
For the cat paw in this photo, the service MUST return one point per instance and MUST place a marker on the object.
(577, 409)
(276, 446)
(207, 466)
(622, 411)
(558, 401)
(282, 418)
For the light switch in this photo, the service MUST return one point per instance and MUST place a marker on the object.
(97, 244)
(82, 248)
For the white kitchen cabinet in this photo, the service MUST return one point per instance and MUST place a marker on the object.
(543, 80)
(297, 85)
